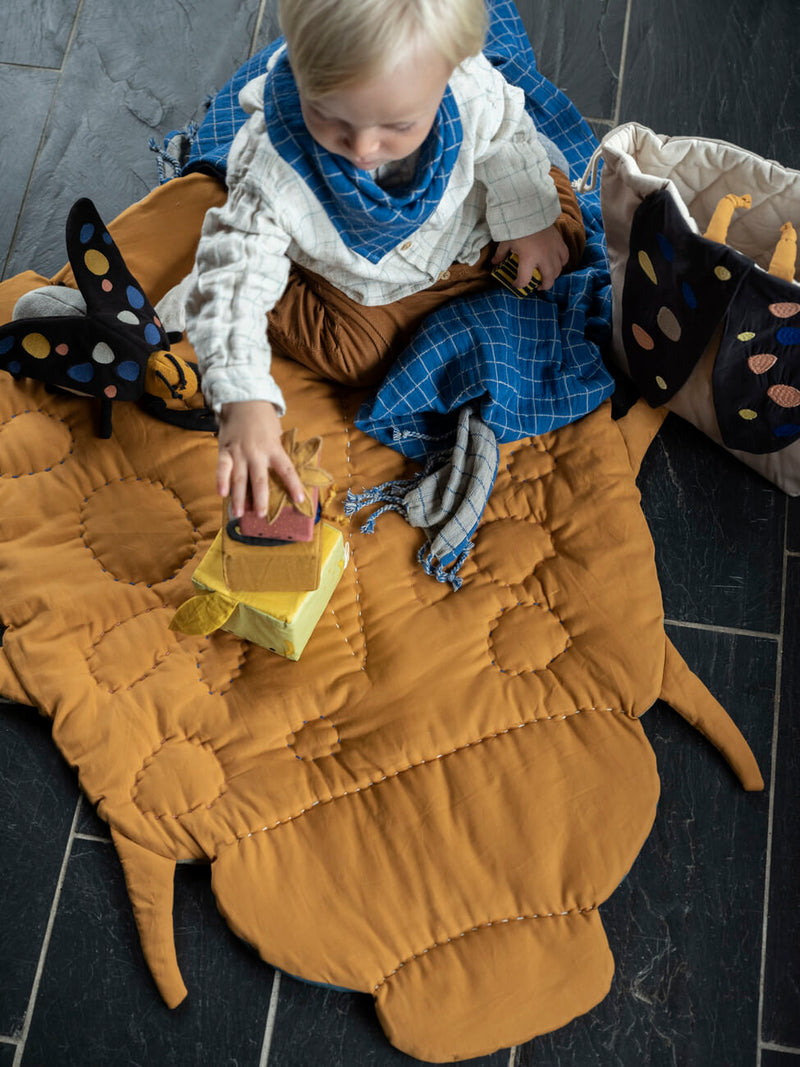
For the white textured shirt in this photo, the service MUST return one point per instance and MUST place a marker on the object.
(499, 189)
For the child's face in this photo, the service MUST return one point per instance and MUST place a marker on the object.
(383, 119)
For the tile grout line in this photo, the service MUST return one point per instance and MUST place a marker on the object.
(93, 837)
(771, 811)
(771, 1046)
(45, 124)
(512, 1056)
(26, 66)
(269, 1028)
(732, 630)
(623, 56)
(62, 874)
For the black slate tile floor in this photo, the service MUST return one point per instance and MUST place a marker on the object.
(705, 928)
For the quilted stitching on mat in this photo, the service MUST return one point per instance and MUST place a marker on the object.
(430, 805)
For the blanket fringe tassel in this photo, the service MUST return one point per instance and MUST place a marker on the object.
(391, 496)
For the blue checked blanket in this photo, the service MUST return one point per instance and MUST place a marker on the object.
(518, 367)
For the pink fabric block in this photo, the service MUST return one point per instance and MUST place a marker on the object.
(290, 524)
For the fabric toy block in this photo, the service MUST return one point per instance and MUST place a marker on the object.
(281, 550)
(284, 567)
(285, 520)
(290, 524)
(279, 621)
(506, 273)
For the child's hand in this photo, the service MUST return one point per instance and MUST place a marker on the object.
(249, 447)
(545, 250)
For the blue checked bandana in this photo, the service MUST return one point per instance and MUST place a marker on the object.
(370, 220)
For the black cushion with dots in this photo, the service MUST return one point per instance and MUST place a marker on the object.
(756, 375)
(679, 288)
(105, 352)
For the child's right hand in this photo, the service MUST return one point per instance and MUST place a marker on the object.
(249, 447)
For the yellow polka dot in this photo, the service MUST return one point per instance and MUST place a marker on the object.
(660, 382)
(722, 273)
(96, 262)
(748, 413)
(36, 345)
(748, 335)
(647, 266)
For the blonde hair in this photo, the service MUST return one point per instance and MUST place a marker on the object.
(334, 44)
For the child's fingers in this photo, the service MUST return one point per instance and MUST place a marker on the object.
(238, 489)
(552, 268)
(549, 275)
(525, 269)
(224, 468)
(259, 489)
(285, 470)
(503, 249)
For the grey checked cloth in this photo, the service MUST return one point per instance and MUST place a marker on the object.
(446, 500)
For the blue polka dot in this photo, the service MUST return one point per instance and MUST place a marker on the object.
(787, 430)
(87, 231)
(788, 335)
(667, 251)
(128, 370)
(135, 298)
(152, 334)
(688, 295)
(14, 367)
(81, 372)
(6, 344)
(107, 237)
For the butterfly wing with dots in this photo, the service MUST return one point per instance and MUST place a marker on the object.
(105, 352)
(756, 376)
(678, 287)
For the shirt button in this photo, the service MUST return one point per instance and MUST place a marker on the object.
(444, 275)
(404, 247)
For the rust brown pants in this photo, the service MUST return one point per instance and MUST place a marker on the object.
(315, 324)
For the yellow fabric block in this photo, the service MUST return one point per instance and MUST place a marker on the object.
(280, 621)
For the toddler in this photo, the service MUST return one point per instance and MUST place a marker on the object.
(385, 166)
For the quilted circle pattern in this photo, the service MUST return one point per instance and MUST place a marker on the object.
(182, 776)
(314, 739)
(53, 443)
(137, 530)
(132, 650)
(509, 549)
(530, 463)
(219, 660)
(527, 638)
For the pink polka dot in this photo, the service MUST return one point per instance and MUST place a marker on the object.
(110, 391)
(761, 362)
(785, 396)
(642, 337)
(106, 285)
(62, 350)
(784, 310)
